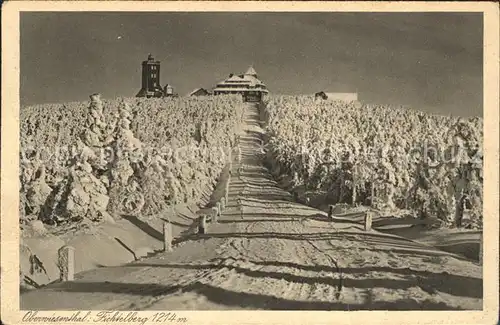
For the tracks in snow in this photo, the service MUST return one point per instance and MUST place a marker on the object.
(276, 255)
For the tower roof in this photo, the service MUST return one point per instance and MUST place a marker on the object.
(251, 71)
(150, 60)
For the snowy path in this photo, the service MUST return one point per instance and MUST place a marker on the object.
(268, 252)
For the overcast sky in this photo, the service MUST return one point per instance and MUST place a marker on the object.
(430, 61)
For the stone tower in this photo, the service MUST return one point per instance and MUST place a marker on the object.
(150, 79)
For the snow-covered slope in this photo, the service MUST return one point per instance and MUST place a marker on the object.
(268, 252)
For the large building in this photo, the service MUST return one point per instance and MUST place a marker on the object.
(248, 85)
(151, 86)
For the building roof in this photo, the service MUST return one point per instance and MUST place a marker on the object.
(234, 78)
(245, 82)
(251, 72)
(218, 88)
(151, 60)
(340, 96)
(230, 89)
(196, 90)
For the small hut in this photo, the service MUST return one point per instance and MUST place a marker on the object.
(168, 91)
(345, 97)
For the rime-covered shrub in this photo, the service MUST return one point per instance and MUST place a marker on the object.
(125, 156)
(389, 157)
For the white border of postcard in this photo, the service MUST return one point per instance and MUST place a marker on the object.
(10, 313)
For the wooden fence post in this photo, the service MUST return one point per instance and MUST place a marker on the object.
(368, 221)
(372, 195)
(216, 214)
(240, 171)
(167, 236)
(240, 207)
(66, 263)
(481, 248)
(222, 203)
(202, 227)
(330, 211)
